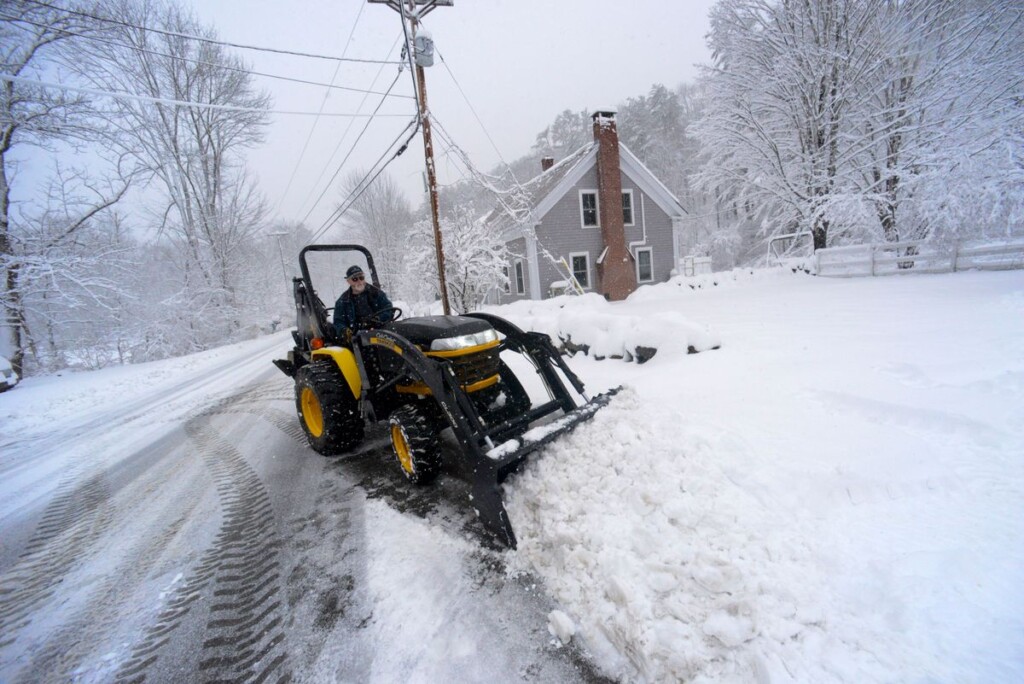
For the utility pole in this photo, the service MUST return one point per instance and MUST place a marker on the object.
(280, 251)
(421, 53)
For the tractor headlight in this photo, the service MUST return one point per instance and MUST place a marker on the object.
(464, 341)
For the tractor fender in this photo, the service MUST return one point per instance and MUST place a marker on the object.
(346, 362)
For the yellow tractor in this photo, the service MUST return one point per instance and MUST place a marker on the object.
(423, 375)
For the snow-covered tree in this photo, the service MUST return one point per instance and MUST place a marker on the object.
(864, 119)
(653, 127)
(31, 38)
(211, 211)
(782, 87)
(938, 119)
(380, 219)
(474, 257)
(74, 290)
(567, 133)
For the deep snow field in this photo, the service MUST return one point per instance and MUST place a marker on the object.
(834, 494)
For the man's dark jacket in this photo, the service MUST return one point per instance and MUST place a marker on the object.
(349, 311)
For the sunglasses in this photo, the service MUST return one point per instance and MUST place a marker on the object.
(357, 278)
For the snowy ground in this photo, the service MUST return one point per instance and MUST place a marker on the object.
(836, 494)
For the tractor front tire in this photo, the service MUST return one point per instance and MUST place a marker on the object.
(414, 439)
(328, 412)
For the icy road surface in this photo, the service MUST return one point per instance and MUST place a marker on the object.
(168, 523)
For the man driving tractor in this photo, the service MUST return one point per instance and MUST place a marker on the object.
(362, 305)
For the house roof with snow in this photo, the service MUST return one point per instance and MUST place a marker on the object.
(539, 195)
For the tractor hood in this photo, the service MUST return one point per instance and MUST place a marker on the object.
(424, 330)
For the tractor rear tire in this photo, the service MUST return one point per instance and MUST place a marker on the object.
(414, 439)
(328, 412)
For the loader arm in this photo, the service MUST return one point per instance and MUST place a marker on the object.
(493, 451)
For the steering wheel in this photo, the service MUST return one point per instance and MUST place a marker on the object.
(377, 317)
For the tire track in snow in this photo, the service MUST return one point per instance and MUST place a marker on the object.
(323, 590)
(66, 650)
(75, 518)
(936, 426)
(69, 652)
(240, 575)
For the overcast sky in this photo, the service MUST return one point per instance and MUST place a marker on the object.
(519, 62)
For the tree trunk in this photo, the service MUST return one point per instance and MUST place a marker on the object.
(13, 313)
(820, 235)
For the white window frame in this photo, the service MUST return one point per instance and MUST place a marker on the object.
(590, 273)
(632, 207)
(520, 273)
(597, 207)
(507, 286)
(650, 252)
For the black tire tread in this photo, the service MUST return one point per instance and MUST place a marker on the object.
(424, 442)
(343, 426)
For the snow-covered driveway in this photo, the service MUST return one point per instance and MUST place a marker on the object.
(835, 495)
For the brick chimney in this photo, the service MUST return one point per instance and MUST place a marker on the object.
(546, 163)
(618, 278)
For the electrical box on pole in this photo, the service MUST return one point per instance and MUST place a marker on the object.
(424, 49)
(420, 49)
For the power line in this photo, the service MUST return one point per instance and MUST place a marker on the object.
(478, 175)
(179, 103)
(351, 150)
(477, 116)
(323, 103)
(511, 172)
(353, 196)
(518, 200)
(344, 134)
(201, 39)
(190, 60)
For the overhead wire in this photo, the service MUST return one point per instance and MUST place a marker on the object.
(517, 195)
(344, 134)
(475, 115)
(351, 150)
(407, 52)
(202, 39)
(323, 103)
(364, 184)
(180, 103)
(189, 60)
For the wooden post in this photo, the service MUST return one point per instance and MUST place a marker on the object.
(428, 145)
(428, 153)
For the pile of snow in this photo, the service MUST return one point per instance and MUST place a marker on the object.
(668, 565)
(611, 330)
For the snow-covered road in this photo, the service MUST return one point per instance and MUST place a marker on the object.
(836, 494)
(178, 528)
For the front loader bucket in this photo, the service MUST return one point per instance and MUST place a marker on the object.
(504, 458)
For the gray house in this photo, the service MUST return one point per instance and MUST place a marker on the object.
(598, 214)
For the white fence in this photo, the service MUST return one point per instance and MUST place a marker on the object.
(916, 256)
(695, 265)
